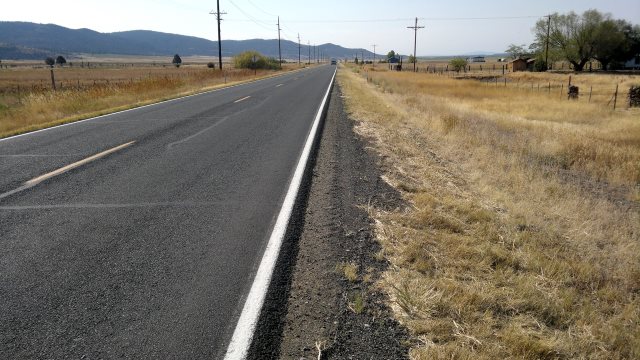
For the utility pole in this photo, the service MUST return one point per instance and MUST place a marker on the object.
(415, 42)
(309, 45)
(315, 58)
(279, 48)
(298, 48)
(218, 15)
(374, 54)
(546, 56)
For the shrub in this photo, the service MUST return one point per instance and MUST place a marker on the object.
(254, 60)
(211, 65)
(458, 64)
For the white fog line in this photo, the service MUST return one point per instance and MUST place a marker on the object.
(243, 333)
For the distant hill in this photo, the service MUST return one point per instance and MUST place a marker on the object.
(25, 40)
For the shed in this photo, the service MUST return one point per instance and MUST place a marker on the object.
(531, 64)
(476, 59)
(517, 65)
(395, 63)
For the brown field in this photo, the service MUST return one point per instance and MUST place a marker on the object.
(27, 101)
(594, 87)
(521, 235)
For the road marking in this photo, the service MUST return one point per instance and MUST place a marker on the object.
(279, 85)
(35, 181)
(110, 206)
(244, 98)
(76, 164)
(36, 155)
(243, 333)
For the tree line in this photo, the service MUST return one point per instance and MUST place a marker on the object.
(579, 39)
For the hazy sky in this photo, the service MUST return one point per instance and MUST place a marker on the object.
(449, 27)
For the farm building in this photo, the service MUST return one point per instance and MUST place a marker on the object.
(517, 65)
(394, 63)
(476, 59)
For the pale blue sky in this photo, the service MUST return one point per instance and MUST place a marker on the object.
(324, 21)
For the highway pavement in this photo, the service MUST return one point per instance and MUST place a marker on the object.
(138, 234)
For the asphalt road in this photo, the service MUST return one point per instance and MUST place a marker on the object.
(149, 250)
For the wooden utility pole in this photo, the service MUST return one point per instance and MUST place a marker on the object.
(298, 48)
(309, 45)
(415, 42)
(374, 54)
(279, 48)
(218, 15)
(546, 56)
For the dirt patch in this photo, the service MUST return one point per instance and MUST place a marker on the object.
(329, 301)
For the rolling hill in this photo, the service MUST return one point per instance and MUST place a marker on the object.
(24, 40)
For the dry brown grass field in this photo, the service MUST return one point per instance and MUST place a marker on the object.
(27, 101)
(521, 234)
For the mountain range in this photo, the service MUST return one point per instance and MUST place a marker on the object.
(25, 40)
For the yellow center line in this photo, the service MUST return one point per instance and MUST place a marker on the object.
(244, 98)
(76, 164)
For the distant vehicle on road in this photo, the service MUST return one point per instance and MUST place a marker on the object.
(333, 62)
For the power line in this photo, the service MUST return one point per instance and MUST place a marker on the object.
(263, 24)
(259, 8)
(406, 19)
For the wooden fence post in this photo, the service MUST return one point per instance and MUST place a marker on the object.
(590, 92)
(615, 97)
(53, 80)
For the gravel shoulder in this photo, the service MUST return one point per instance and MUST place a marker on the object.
(312, 307)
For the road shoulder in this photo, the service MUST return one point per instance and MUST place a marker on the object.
(329, 302)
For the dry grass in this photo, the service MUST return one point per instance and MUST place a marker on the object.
(27, 102)
(348, 270)
(522, 235)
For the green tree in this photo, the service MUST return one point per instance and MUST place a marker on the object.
(412, 59)
(609, 41)
(572, 35)
(516, 51)
(60, 60)
(49, 61)
(177, 61)
(458, 64)
(391, 54)
(356, 61)
(616, 41)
